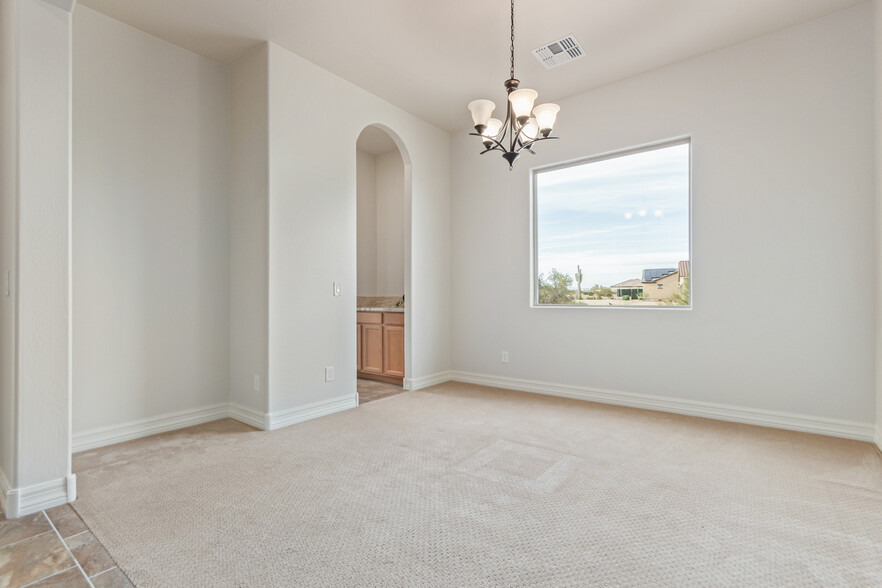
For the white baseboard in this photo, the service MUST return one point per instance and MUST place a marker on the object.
(879, 436)
(256, 419)
(283, 418)
(144, 428)
(427, 381)
(114, 434)
(5, 487)
(19, 502)
(723, 412)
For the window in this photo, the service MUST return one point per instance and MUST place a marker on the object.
(607, 227)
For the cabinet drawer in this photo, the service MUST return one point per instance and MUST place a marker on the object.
(370, 318)
(393, 318)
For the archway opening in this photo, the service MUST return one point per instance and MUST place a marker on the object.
(382, 261)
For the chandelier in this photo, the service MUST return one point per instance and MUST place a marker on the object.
(524, 125)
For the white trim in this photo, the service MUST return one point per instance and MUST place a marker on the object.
(31, 499)
(114, 434)
(879, 436)
(5, 487)
(723, 412)
(283, 418)
(145, 427)
(686, 139)
(427, 381)
(248, 416)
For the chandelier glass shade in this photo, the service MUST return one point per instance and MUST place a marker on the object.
(525, 123)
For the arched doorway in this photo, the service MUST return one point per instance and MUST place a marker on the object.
(383, 331)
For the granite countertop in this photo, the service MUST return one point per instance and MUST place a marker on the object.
(378, 304)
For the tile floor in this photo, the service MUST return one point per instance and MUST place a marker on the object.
(369, 390)
(54, 548)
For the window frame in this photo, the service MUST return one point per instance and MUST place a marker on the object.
(534, 216)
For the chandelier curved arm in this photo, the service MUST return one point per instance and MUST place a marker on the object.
(497, 146)
(528, 146)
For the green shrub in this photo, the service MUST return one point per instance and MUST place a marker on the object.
(555, 288)
(626, 297)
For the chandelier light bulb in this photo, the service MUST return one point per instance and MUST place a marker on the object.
(522, 103)
(481, 111)
(494, 125)
(545, 115)
(530, 131)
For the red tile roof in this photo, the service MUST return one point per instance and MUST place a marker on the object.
(683, 266)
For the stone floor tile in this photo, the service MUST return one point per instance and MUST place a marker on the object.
(90, 554)
(70, 578)
(370, 390)
(13, 531)
(33, 559)
(66, 520)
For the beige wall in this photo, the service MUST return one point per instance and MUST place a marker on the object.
(366, 223)
(313, 232)
(670, 285)
(151, 239)
(249, 227)
(878, 46)
(380, 223)
(390, 224)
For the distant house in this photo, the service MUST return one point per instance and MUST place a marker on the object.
(632, 288)
(660, 283)
(683, 269)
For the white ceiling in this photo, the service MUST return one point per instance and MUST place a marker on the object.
(432, 58)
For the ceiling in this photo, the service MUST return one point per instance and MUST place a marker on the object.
(432, 58)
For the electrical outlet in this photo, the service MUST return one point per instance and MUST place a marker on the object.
(257, 383)
(505, 357)
(329, 374)
(336, 288)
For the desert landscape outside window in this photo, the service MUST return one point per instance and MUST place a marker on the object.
(614, 230)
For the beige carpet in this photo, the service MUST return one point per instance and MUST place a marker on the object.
(460, 485)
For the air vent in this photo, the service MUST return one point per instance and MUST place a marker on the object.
(559, 52)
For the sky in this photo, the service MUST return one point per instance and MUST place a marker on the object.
(615, 217)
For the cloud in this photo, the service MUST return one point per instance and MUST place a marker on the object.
(615, 217)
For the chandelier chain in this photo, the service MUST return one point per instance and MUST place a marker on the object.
(512, 39)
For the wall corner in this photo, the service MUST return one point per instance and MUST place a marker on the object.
(66, 5)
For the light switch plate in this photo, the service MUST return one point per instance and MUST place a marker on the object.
(336, 288)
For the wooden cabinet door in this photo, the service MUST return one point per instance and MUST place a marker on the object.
(393, 348)
(372, 349)
(358, 336)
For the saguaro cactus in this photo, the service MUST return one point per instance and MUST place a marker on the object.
(578, 283)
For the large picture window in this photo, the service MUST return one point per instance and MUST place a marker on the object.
(614, 230)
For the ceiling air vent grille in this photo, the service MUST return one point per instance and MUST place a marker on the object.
(559, 52)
